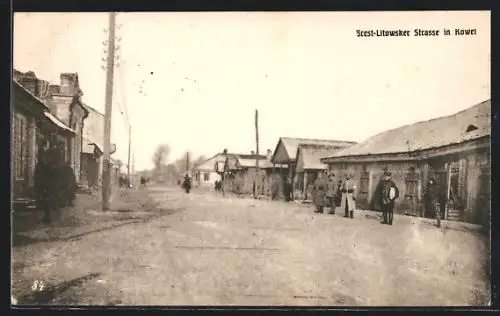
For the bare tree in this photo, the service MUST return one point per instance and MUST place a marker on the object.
(160, 158)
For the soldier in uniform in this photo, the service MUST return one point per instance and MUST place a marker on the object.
(319, 193)
(187, 183)
(431, 201)
(331, 192)
(348, 199)
(386, 199)
(68, 183)
(45, 183)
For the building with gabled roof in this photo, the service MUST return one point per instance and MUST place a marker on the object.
(285, 154)
(454, 149)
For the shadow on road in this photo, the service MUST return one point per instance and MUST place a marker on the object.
(21, 240)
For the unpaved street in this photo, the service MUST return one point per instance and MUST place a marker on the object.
(205, 249)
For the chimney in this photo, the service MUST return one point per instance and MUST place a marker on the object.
(269, 154)
(43, 88)
(30, 83)
(54, 89)
(225, 151)
(69, 84)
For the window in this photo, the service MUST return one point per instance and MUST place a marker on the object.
(206, 177)
(20, 138)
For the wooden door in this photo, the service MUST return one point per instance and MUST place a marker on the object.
(411, 197)
(363, 196)
(442, 182)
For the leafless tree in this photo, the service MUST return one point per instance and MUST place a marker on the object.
(160, 158)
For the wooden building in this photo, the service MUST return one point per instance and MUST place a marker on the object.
(33, 127)
(308, 166)
(455, 150)
(285, 153)
(205, 174)
(241, 170)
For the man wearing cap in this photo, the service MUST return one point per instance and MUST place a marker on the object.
(348, 196)
(319, 193)
(331, 192)
(388, 193)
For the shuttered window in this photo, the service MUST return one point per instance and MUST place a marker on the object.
(20, 148)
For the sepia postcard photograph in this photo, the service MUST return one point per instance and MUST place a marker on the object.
(270, 159)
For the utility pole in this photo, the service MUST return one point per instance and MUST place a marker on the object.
(129, 144)
(257, 152)
(187, 163)
(106, 176)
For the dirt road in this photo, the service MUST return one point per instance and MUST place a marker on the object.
(217, 250)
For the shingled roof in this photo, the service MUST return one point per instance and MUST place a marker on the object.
(291, 144)
(466, 125)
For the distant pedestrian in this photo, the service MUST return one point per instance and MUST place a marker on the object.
(331, 193)
(388, 192)
(431, 201)
(288, 188)
(319, 193)
(347, 202)
(187, 183)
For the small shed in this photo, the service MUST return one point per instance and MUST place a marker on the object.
(308, 167)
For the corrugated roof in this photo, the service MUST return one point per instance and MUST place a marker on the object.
(429, 134)
(291, 144)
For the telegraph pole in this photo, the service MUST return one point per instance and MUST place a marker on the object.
(129, 144)
(106, 176)
(257, 151)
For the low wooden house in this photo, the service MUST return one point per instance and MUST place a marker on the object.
(242, 172)
(309, 166)
(206, 173)
(33, 128)
(285, 153)
(455, 150)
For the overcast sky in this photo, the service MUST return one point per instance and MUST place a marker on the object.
(309, 75)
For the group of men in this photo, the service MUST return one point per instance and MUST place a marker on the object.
(55, 181)
(327, 192)
(330, 193)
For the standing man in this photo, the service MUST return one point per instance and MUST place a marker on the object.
(288, 190)
(388, 193)
(46, 183)
(331, 192)
(431, 201)
(319, 193)
(347, 202)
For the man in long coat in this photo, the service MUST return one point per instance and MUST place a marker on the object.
(68, 185)
(319, 193)
(431, 201)
(348, 199)
(46, 178)
(385, 199)
(331, 192)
